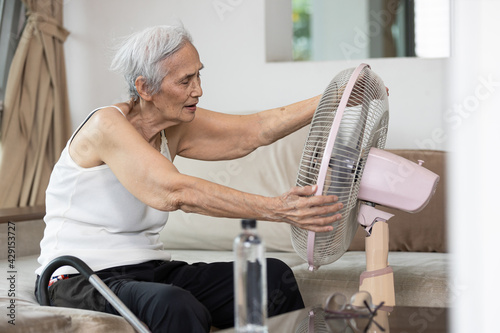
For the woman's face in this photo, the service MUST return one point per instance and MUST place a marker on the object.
(181, 88)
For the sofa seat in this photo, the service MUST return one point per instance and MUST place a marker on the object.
(420, 279)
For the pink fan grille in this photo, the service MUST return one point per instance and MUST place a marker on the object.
(352, 117)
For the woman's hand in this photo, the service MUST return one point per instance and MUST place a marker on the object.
(301, 208)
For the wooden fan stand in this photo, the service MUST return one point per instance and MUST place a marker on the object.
(378, 279)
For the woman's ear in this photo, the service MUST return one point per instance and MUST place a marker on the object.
(142, 88)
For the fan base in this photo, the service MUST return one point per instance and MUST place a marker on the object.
(380, 285)
(378, 279)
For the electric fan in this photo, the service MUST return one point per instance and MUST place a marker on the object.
(343, 155)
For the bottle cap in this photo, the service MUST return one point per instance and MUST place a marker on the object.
(248, 224)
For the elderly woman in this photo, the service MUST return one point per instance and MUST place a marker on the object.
(111, 191)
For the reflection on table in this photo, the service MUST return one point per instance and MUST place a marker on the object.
(399, 319)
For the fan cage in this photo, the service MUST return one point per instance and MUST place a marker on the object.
(363, 125)
(316, 320)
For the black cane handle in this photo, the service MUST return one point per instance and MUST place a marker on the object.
(43, 281)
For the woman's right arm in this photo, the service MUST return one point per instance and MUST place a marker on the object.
(154, 180)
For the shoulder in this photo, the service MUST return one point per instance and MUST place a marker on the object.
(108, 122)
(98, 131)
(106, 117)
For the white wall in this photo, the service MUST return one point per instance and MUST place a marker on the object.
(427, 98)
(230, 36)
(473, 165)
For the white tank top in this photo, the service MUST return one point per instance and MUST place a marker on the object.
(90, 215)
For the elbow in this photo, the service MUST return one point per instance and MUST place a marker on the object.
(177, 193)
(163, 198)
(175, 197)
(170, 202)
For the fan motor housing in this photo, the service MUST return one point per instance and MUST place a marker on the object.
(393, 181)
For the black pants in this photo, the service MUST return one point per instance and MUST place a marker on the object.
(176, 296)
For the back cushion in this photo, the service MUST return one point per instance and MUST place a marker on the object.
(268, 171)
(271, 171)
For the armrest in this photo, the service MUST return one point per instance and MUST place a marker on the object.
(19, 214)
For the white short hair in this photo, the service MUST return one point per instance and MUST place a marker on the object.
(141, 54)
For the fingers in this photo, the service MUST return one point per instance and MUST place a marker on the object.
(317, 223)
(306, 197)
(311, 212)
(304, 191)
(317, 218)
(311, 190)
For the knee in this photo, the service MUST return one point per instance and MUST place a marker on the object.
(178, 310)
(180, 302)
(283, 290)
(280, 274)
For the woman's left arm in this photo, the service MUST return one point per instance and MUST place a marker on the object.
(218, 136)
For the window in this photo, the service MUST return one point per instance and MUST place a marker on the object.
(362, 29)
(301, 20)
(432, 28)
(11, 25)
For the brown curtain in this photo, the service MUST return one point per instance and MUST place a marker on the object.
(36, 121)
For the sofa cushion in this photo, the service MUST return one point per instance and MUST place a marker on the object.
(420, 279)
(32, 320)
(271, 171)
(268, 171)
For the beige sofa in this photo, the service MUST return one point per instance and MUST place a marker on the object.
(417, 244)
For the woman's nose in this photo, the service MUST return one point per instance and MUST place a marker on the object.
(197, 90)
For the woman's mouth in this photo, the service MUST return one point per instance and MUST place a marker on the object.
(191, 107)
